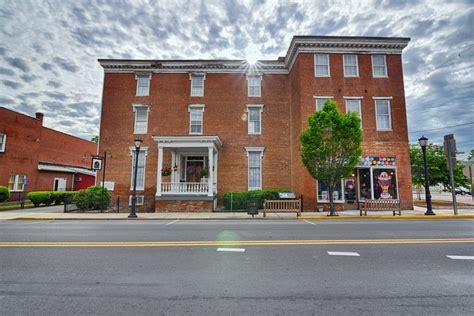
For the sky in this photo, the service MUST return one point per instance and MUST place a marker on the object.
(49, 50)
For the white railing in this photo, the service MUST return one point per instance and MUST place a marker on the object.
(185, 188)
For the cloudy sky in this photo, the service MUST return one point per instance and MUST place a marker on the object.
(49, 49)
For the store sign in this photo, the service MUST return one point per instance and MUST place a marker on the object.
(378, 161)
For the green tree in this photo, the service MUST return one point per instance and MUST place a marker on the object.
(95, 139)
(331, 146)
(437, 168)
(471, 155)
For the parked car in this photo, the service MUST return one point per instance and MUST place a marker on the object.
(462, 191)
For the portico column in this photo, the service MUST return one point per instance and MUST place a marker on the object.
(160, 166)
(173, 162)
(216, 164)
(211, 172)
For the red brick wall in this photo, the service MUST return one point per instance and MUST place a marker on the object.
(183, 206)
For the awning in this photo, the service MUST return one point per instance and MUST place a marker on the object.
(66, 169)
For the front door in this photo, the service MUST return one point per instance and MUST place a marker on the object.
(350, 196)
(193, 168)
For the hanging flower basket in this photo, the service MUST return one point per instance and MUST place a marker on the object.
(166, 171)
(204, 172)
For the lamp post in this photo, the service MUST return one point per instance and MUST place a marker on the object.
(133, 214)
(104, 157)
(423, 141)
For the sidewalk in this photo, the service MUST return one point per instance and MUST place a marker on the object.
(55, 213)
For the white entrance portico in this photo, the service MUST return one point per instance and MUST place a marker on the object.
(193, 167)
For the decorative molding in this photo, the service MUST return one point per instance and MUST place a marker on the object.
(196, 107)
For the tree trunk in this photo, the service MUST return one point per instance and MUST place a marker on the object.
(332, 211)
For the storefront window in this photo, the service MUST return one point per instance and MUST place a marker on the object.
(365, 188)
(385, 183)
(323, 192)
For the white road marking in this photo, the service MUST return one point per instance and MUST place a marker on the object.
(170, 223)
(231, 249)
(340, 253)
(461, 257)
(310, 222)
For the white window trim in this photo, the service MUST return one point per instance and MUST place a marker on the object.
(141, 106)
(385, 62)
(329, 67)
(360, 106)
(389, 99)
(327, 201)
(132, 154)
(258, 107)
(196, 107)
(191, 75)
(344, 66)
(248, 86)
(261, 150)
(4, 144)
(149, 79)
(139, 197)
(321, 97)
(15, 184)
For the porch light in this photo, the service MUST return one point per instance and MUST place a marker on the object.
(138, 143)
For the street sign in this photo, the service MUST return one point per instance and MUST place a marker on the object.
(96, 163)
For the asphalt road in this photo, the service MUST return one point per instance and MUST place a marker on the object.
(237, 267)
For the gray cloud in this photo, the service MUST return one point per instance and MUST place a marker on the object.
(67, 65)
(18, 62)
(56, 95)
(2, 51)
(12, 84)
(29, 78)
(47, 66)
(6, 100)
(54, 84)
(6, 71)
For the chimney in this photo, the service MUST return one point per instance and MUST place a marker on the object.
(39, 116)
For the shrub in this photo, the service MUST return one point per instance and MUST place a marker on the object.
(92, 198)
(4, 194)
(58, 197)
(40, 197)
(240, 200)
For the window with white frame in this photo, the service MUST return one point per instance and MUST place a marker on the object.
(320, 102)
(383, 116)
(379, 66)
(354, 105)
(141, 119)
(323, 192)
(143, 84)
(351, 68)
(321, 68)
(3, 142)
(140, 167)
(16, 182)
(140, 199)
(255, 119)
(197, 85)
(196, 112)
(254, 86)
(254, 155)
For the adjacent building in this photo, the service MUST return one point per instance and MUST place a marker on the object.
(214, 126)
(37, 158)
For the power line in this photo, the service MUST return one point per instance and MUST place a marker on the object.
(439, 128)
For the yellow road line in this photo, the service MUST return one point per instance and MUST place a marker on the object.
(237, 243)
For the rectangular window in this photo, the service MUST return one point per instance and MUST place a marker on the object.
(141, 119)
(16, 182)
(255, 119)
(379, 66)
(321, 68)
(197, 85)
(140, 169)
(365, 186)
(385, 184)
(140, 199)
(3, 141)
(351, 68)
(195, 119)
(320, 102)
(323, 192)
(143, 85)
(353, 105)
(254, 86)
(255, 168)
(382, 110)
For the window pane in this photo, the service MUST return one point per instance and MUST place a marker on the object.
(350, 60)
(364, 184)
(350, 65)
(143, 83)
(197, 85)
(385, 184)
(321, 59)
(320, 103)
(353, 106)
(378, 60)
(140, 169)
(254, 169)
(141, 119)
(322, 64)
(11, 182)
(254, 86)
(323, 192)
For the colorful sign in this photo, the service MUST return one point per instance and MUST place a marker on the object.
(378, 161)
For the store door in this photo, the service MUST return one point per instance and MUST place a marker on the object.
(350, 194)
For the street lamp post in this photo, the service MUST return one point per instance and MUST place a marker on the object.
(133, 214)
(423, 141)
(104, 157)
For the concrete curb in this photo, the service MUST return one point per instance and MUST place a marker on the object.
(386, 217)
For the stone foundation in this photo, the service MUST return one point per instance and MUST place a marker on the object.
(183, 206)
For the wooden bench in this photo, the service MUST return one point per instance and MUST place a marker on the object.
(380, 205)
(282, 206)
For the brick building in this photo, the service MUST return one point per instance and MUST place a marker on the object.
(241, 123)
(36, 158)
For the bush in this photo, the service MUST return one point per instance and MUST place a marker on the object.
(40, 197)
(4, 194)
(58, 197)
(92, 198)
(241, 199)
